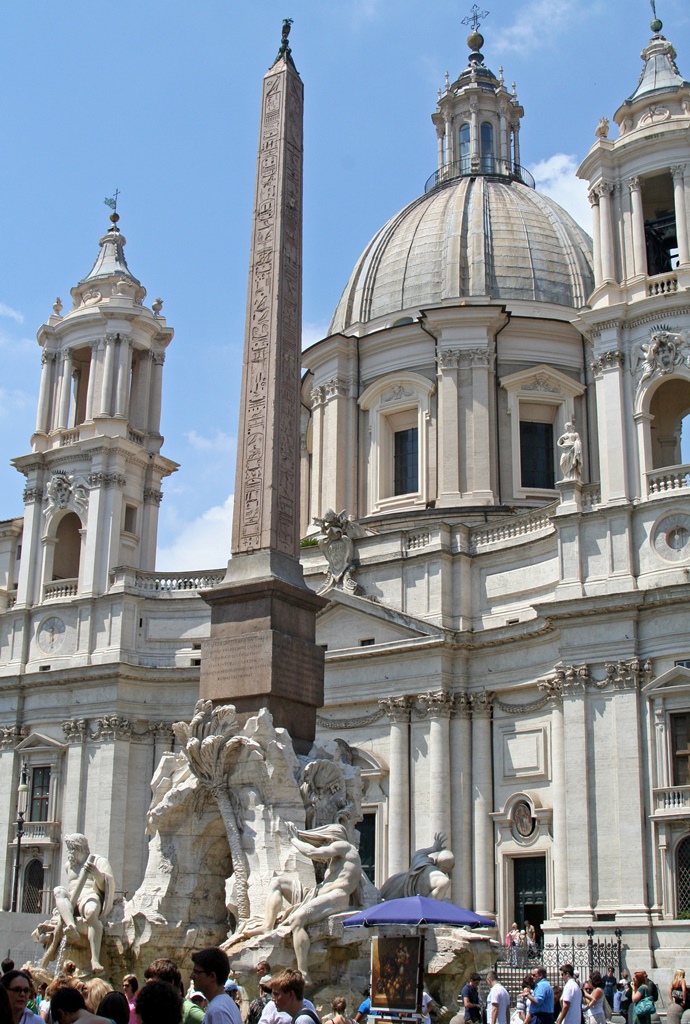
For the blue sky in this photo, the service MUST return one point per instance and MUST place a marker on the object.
(160, 99)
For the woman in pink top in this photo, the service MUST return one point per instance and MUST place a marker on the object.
(130, 987)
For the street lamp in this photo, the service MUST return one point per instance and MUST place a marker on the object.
(22, 804)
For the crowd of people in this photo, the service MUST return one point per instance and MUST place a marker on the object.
(212, 997)
(598, 1000)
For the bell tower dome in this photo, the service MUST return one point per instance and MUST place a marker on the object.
(94, 473)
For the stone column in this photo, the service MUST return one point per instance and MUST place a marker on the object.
(440, 134)
(474, 133)
(73, 419)
(163, 740)
(638, 236)
(72, 817)
(448, 454)
(450, 140)
(156, 399)
(30, 564)
(105, 816)
(461, 799)
(482, 793)
(504, 139)
(139, 415)
(608, 264)
(559, 851)
(482, 492)
(596, 235)
(10, 735)
(149, 528)
(438, 707)
(124, 370)
(678, 174)
(96, 349)
(516, 144)
(108, 373)
(47, 362)
(398, 710)
(318, 398)
(613, 425)
(65, 389)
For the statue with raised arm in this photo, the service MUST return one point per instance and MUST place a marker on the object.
(428, 874)
(308, 905)
(88, 897)
(571, 459)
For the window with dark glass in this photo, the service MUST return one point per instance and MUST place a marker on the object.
(680, 741)
(40, 788)
(367, 844)
(32, 895)
(486, 139)
(465, 148)
(406, 475)
(536, 454)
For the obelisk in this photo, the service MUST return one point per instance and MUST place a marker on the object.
(262, 651)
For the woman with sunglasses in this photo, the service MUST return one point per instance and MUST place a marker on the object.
(19, 989)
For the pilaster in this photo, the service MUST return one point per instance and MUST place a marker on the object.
(398, 710)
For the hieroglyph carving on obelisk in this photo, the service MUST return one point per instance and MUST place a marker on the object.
(266, 512)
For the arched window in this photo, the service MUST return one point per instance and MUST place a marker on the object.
(32, 897)
(670, 409)
(67, 548)
(683, 878)
(486, 138)
(465, 160)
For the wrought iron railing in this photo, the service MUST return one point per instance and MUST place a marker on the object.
(489, 165)
(514, 961)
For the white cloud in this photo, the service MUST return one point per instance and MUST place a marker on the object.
(14, 400)
(556, 178)
(13, 314)
(536, 22)
(219, 443)
(204, 543)
(313, 332)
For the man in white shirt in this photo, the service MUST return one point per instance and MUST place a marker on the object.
(209, 974)
(288, 995)
(571, 998)
(497, 1001)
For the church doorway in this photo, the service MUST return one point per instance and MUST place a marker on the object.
(529, 886)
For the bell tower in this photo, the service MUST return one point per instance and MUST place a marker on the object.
(94, 473)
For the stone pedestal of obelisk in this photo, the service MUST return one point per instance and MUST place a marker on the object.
(262, 651)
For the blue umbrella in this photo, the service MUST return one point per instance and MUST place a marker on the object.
(418, 910)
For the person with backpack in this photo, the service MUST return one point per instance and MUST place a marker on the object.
(209, 974)
(642, 1001)
(288, 995)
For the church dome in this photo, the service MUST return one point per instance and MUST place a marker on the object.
(472, 236)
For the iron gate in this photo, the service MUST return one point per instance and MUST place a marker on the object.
(514, 962)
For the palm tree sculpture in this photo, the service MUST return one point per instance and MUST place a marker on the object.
(213, 748)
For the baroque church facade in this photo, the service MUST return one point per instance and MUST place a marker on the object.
(491, 433)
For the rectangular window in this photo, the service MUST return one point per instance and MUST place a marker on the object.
(536, 455)
(367, 844)
(406, 457)
(369, 642)
(680, 740)
(130, 519)
(40, 788)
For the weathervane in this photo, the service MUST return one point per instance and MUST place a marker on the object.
(475, 17)
(653, 6)
(112, 202)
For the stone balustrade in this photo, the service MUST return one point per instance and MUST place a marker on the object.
(42, 833)
(516, 528)
(69, 437)
(671, 800)
(135, 436)
(662, 284)
(670, 478)
(165, 584)
(591, 496)
(59, 589)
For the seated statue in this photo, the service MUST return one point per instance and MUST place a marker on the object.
(428, 874)
(87, 898)
(343, 876)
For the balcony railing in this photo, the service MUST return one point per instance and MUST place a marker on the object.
(662, 284)
(670, 478)
(60, 588)
(672, 799)
(488, 165)
(42, 833)
(163, 584)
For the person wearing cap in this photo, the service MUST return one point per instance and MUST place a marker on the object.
(256, 1007)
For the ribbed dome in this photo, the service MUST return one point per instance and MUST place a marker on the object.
(472, 237)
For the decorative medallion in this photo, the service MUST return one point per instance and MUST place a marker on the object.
(672, 538)
(51, 635)
(523, 820)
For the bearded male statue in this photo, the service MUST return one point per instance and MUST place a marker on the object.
(88, 897)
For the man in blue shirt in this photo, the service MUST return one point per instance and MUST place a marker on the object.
(541, 998)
